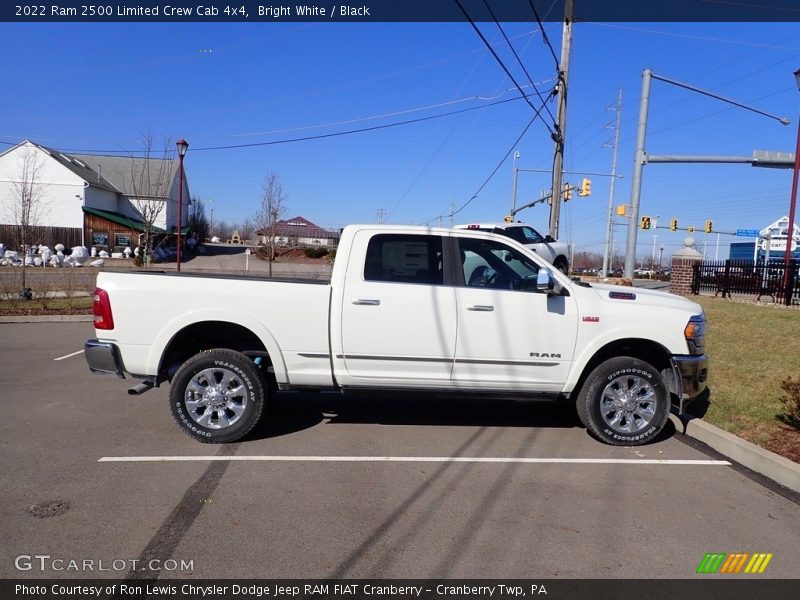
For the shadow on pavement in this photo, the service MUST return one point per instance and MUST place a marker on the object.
(289, 412)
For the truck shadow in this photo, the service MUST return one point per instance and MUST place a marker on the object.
(289, 412)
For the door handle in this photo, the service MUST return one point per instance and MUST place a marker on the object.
(481, 307)
(367, 301)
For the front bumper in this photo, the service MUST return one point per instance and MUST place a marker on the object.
(103, 357)
(691, 375)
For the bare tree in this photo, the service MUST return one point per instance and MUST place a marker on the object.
(151, 181)
(27, 208)
(269, 212)
(198, 222)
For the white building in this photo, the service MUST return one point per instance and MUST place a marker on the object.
(89, 199)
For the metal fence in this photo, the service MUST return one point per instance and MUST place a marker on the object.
(758, 280)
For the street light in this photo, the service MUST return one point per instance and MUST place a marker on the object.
(182, 145)
(792, 205)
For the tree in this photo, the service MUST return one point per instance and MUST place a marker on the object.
(269, 212)
(151, 180)
(27, 208)
(198, 222)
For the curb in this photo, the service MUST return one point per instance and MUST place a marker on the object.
(48, 319)
(776, 467)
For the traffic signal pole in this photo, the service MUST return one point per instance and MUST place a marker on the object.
(636, 184)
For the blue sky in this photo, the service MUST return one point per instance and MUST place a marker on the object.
(104, 86)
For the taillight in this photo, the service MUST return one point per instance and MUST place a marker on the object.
(101, 309)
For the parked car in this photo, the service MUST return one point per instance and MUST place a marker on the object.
(407, 308)
(556, 253)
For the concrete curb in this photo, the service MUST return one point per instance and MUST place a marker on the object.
(48, 319)
(776, 467)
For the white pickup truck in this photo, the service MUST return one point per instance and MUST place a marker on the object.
(407, 309)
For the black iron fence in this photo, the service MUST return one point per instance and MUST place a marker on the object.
(759, 280)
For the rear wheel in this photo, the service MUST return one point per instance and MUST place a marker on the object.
(217, 396)
(624, 402)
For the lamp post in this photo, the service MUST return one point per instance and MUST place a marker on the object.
(792, 205)
(182, 145)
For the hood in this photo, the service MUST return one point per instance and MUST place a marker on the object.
(646, 297)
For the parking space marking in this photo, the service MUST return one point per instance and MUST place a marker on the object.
(69, 355)
(424, 459)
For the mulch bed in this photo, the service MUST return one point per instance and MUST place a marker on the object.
(39, 311)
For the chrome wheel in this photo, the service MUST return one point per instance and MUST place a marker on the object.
(216, 398)
(628, 404)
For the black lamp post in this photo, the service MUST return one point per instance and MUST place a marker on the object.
(792, 205)
(182, 145)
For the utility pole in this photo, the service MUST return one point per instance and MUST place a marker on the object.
(381, 215)
(561, 118)
(610, 226)
(515, 174)
(653, 258)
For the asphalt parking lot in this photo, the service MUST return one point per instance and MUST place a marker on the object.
(350, 488)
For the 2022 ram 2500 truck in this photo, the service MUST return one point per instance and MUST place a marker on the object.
(407, 308)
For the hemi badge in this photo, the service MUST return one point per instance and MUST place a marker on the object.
(591, 319)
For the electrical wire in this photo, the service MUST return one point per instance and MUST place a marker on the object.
(503, 66)
(494, 172)
(544, 35)
(519, 60)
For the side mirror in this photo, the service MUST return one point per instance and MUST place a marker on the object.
(544, 281)
(549, 239)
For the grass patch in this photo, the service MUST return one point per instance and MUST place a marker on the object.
(752, 349)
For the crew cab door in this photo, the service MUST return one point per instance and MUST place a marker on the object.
(510, 335)
(398, 318)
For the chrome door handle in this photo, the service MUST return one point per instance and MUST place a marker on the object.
(367, 301)
(481, 307)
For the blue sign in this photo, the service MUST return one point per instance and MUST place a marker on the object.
(747, 232)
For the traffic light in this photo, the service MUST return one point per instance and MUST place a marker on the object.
(673, 225)
(645, 223)
(508, 219)
(586, 187)
(568, 192)
(690, 229)
(621, 210)
(708, 226)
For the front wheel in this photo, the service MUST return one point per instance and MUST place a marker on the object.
(624, 402)
(217, 396)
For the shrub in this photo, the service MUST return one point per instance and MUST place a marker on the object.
(316, 252)
(791, 401)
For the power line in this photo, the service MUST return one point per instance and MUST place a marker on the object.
(519, 60)
(544, 34)
(128, 153)
(496, 169)
(502, 64)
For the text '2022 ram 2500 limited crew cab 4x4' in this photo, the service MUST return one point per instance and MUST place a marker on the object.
(411, 309)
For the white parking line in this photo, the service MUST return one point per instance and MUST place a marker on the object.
(68, 355)
(434, 459)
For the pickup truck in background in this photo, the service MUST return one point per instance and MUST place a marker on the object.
(455, 311)
(554, 252)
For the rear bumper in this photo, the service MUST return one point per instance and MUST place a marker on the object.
(691, 375)
(103, 357)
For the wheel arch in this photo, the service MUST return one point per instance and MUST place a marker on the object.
(648, 351)
(188, 339)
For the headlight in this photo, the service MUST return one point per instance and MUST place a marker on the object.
(695, 334)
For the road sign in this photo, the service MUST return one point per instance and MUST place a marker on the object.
(747, 232)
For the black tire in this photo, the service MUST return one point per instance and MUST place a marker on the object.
(233, 403)
(633, 418)
(562, 265)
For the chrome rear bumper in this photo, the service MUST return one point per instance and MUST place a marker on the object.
(103, 357)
